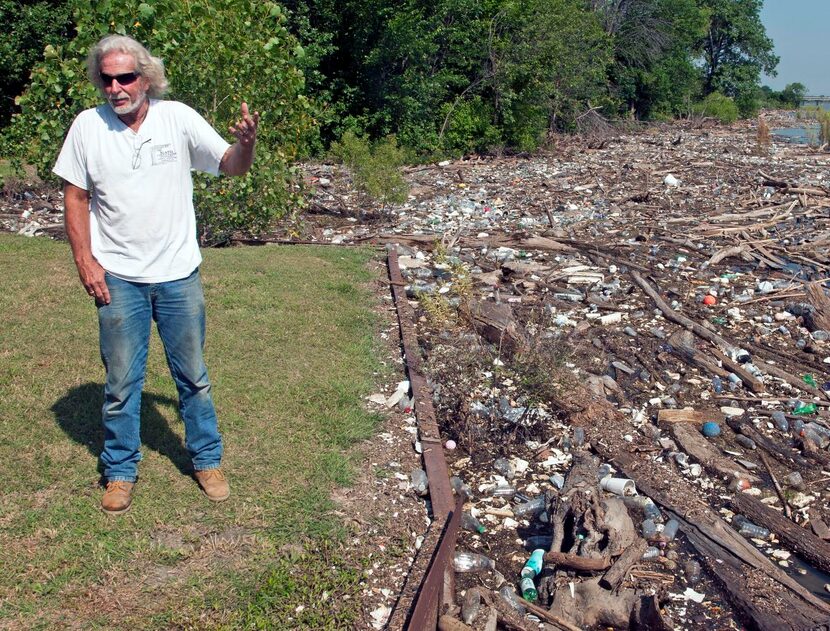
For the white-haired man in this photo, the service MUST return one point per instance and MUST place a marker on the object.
(130, 221)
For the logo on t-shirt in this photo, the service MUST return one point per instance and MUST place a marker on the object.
(163, 154)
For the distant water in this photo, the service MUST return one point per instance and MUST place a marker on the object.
(807, 135)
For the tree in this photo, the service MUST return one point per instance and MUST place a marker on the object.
(653, 70)
(793, 94)
(28, 28)
(735, 50)
(217, 53)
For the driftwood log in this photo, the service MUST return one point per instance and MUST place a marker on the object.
(786, 456)
(614, 577)
(752, 583)
(693, 443)
(809, 547)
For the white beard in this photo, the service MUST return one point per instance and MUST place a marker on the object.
(130, 107)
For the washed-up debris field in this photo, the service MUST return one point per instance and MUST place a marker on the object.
(629, 352)
(628, 340)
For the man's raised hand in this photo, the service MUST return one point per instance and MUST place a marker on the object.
(245, 128)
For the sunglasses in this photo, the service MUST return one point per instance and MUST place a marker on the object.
(123, 79)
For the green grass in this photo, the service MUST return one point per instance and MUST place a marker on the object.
(291, 354)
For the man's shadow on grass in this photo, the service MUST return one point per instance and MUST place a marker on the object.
(78, 413)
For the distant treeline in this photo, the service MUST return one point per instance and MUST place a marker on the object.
(456, 76)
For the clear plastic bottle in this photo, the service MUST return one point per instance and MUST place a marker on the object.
(651, 511)
(717, 384)
(780, 420)
(470, 606)
(579, 437)
(509, 594)
(468, 522)
(504, 491)
(459, 487)
(670, 531)
(472, 562)
(535, 542)
(503, 466)
(749, 529)
(531, 508)
(692, 571)
(651, 552)
(649, 529)
(419, 481)
(745, 441)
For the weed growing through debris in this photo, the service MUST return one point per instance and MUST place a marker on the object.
(375, 168)
(291, 354)
(763, 139)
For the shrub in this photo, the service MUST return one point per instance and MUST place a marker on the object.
(217, 53)
(717, 106)
(375, 168)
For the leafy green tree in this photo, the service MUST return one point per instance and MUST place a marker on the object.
(217, 53)
(793, 94)
(653, 72)
(28, 28)
(551, 66)
(735, 50)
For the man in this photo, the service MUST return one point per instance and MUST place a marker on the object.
(132, 228)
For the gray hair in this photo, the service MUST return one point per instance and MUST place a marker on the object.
(149, 67)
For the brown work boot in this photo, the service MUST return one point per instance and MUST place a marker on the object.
(214, 484)
(118, 497)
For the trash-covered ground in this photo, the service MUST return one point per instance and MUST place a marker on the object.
(645, 306)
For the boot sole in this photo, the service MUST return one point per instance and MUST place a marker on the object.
(216, 499)
(117, 512)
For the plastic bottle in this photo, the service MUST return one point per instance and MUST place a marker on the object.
(579, 437)
(468, 522)
(651, 552)
(459, 487)
(534, 564)
(745, 441)
(535, 542)
(604, 470)
(503, 490)
(528, 589)
(503, 466)
(797, 425)
(472, 562)
(509, 594)
(419, 481)
(670, 531)
(805, 408)
(819, 439)
(692, 571)
(531, 508)
(717, 384)
(749, 529)
(649, 529)
(470, 606)
(780, 421)
(651, 511)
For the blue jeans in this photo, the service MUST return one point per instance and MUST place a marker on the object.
(178, 307)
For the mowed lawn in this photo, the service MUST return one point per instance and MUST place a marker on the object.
(291, 353)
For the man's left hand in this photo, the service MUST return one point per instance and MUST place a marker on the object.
(245, 128)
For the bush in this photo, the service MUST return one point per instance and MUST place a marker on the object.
(217, 53)
(717, 106)
(375, 168)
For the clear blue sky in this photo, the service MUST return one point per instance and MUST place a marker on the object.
(798, 28)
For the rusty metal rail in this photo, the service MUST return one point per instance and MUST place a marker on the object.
(438, 584)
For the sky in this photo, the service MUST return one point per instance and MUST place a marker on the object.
(798, 29)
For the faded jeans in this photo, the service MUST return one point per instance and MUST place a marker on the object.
(178, 308)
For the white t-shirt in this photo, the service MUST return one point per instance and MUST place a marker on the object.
(142, 221)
